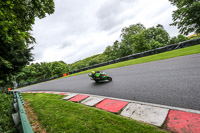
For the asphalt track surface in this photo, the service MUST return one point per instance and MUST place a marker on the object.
(173, 82)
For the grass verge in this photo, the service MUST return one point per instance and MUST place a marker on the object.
(57, 115)
(6, 110)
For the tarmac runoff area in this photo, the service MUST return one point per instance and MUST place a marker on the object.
(174, 119)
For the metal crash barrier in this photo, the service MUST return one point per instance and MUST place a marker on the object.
(20, 118)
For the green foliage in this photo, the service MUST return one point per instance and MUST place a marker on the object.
(153, 44)
(158, 34)
(108, 53)
(6, 111)
(92, 62)
(139, 43)
(126, 42)
(125, 49)
(136, 38)
(179, 38)
(134, 29)
(95, 59)
(187, 16)
(160, 26)
(17, 18)
(116, 53)
(58, 68)
(150, 38)
(14, 57)
(40, 71)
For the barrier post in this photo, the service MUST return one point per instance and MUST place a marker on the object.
(22, 114)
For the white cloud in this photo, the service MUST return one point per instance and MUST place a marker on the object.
(79, 29)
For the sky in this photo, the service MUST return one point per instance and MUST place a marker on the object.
(81, 28)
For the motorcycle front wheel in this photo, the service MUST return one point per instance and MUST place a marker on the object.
(109, 78)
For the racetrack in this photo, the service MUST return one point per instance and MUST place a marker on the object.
(173, 82)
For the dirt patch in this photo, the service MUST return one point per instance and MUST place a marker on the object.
(32, 117)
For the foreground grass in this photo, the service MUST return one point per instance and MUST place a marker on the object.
(6, 110)
(166, 55)
(57, 115)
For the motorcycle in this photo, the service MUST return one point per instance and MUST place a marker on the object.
(100, 76)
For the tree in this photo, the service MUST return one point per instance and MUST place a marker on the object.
(107, 53)
(150, 38)
(40, 71)
(116, 50)
(154, 44)
(13, 57)
(92, 62)
(160, 26)
(139, 43)
(127, 32)
(58, 68)
(158, 34)
(126, 42)
(187, 16)
(17, 18)
(134, 29)
(179, 38)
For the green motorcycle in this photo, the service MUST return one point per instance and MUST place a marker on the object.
(99, 76)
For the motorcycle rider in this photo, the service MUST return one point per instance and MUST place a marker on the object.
(94, 73)
(98, 76)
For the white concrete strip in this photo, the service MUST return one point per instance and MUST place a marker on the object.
(149, 114)
(69, 95)
(46, 91)
(56, 92)
(157, 105)
(144, 103)
(64, 92)
(93, 100)
(41, 91)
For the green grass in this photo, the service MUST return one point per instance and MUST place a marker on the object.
(6, 110)
(170, 54)
(59, 116)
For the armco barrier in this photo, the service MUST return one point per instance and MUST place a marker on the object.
(20, 118)
(130, 57)
(6, 90)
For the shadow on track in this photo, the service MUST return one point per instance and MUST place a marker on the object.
(100, 83)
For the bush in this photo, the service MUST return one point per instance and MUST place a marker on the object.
(154, 44)
(6, 111)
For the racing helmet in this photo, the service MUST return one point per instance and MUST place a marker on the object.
(93, 72)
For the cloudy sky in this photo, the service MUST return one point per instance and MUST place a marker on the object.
(82, 28)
